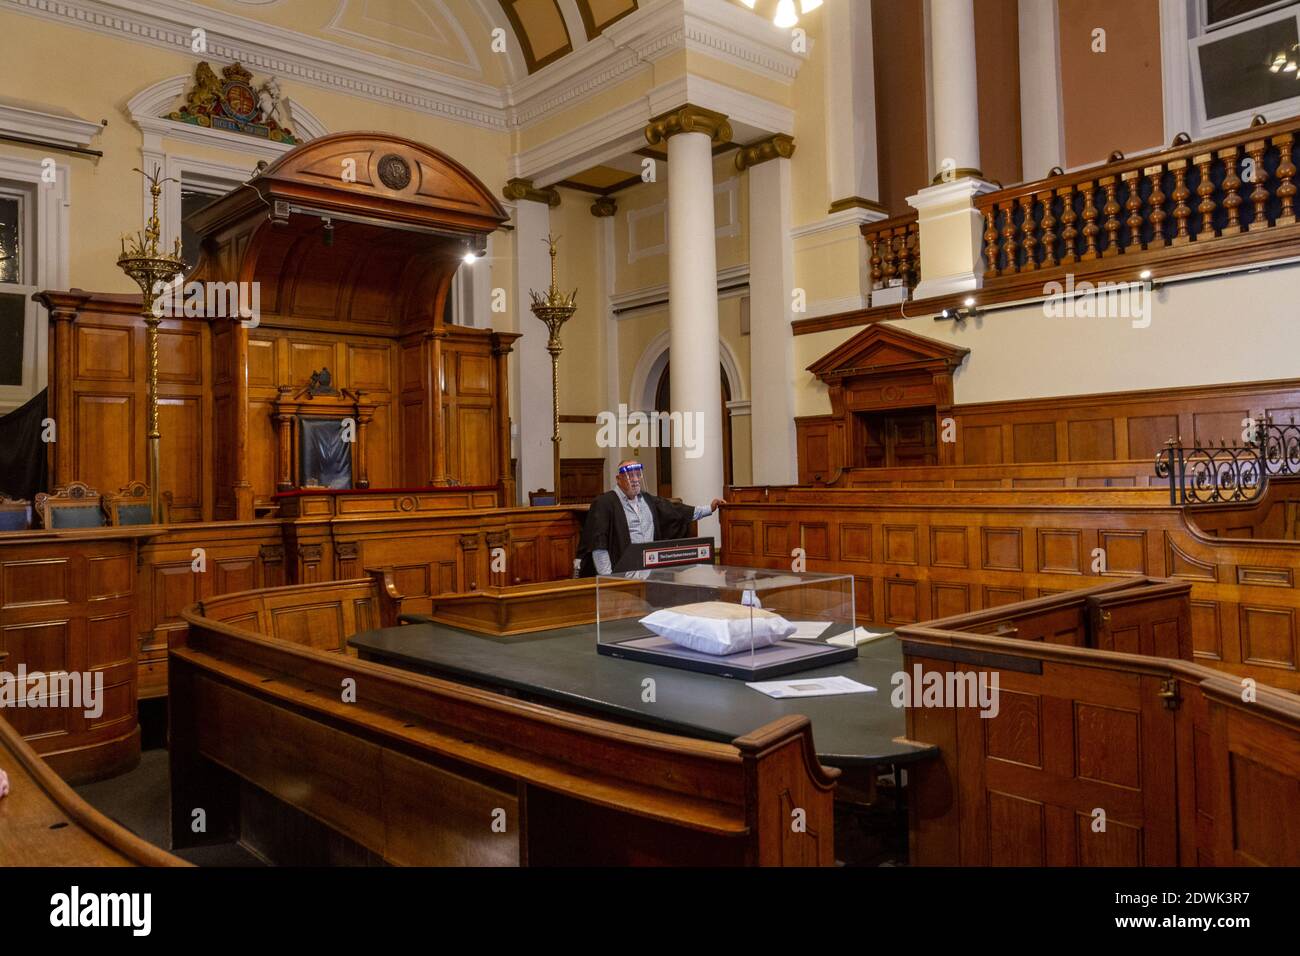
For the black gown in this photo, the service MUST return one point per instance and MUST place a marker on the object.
(606, 527)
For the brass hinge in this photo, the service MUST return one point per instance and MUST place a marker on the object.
(1169, 694)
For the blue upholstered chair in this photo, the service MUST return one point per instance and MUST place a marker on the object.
(73, 506)
(15, 514)
(541, 497)
(130, 505)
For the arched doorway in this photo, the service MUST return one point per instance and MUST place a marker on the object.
(663, 454)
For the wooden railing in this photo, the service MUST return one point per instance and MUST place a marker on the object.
(1226, 195)
(894, 250)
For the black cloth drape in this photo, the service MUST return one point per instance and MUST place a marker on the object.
(23, 468)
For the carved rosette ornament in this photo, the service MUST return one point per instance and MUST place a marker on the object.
(688, 119)
(779, 146)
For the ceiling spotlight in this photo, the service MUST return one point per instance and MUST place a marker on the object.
(328, 227)
(968, 301)
(470, 257)
(785, 15)
(1145, 275)
(808, 6)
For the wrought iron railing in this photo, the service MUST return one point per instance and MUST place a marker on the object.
(1204, 474)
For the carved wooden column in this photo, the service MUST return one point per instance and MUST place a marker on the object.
(243, 487)
(471, 568)
(60, 455)
(284, 453)
(502, 347)
(365, 414)
(438, 431)
(498, 539)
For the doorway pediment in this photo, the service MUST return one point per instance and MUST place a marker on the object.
(883, 350)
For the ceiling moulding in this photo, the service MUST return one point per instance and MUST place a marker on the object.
(36, 121)
(147, 107)
(720, 29)
(282, 53)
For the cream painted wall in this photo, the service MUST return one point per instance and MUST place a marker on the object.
(1200, 334)
(106, 193)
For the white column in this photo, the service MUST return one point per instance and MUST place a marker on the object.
(771, 340)
(956, 86)
(696, 390)
(532, 271)
(1042, 132)
(851, 157)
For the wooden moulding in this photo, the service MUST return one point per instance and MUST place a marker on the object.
(527, 608)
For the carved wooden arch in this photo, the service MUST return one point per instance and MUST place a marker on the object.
(884, 368)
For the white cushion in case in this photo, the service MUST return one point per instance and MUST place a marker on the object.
(715, 627)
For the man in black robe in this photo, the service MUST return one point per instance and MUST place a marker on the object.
(627, 515)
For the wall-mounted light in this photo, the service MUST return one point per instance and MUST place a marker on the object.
(470, 258)
(785, 15)
(959, 315)
(328, 227)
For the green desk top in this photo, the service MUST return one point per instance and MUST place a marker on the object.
(561, 668)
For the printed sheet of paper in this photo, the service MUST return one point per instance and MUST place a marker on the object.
(860, 636)
(811, 687)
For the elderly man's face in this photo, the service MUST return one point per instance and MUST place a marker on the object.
(630, 482)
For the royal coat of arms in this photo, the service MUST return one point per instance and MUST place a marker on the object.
(230, 102)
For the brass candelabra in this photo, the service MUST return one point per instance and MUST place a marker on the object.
(554, 308)
(151, 268)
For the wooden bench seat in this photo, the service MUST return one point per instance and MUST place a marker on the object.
(399, 768)
(1096, 757)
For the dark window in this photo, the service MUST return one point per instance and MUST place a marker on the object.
(1217, 11)
(1250, 69)
(13, 323)
(11, 265)
(191, 202)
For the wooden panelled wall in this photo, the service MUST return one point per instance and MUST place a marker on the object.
(99, 377)
(1117, 426)
(920, 555)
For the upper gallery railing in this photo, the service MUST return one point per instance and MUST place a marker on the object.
(894, 250)
(1189, 199)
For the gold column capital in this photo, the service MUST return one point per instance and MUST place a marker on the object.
(604, 207)
(688, 119)
(856, 202)
(777, 146)
(517, 189)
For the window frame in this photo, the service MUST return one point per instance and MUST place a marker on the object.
(1279, 109)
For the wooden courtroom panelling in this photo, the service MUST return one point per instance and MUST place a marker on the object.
(1183, 770)
(67, 607)
(1117, 426)
(983, 548)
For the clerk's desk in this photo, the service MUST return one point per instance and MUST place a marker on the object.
(561, 668)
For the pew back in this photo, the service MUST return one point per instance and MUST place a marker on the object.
(1093, 757)
(403, 768)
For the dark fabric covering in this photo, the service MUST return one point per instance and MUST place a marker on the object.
(134, 514)
(324, 456)
(81, 516)
(606, 527)
(22, 453)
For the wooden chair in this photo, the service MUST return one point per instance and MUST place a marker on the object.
(130, 506)
(15, 514)
(73, 506)
(541, 497)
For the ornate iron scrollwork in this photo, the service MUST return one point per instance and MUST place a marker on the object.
(1202, 475)
(1279, 447)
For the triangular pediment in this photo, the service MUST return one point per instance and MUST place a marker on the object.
(885, 349)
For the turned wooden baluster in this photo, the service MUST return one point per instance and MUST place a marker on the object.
(890, 263)
(1205, 189)
(1009, 246)
(1157, 203)
(1180, 195)
(990, 243)
(1285, 172)
(1049, 229)
(1134, 206)
(1068, 219)
(1111, 209)
(876, 273)
(1090, 228)
(914, 248)
(1258, 195)
(1231, 183)
(1027, 230)
(904, 255)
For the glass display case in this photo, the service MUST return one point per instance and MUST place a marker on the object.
(746, 623)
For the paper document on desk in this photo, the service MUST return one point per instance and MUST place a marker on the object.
(860, 636)
(811, 687)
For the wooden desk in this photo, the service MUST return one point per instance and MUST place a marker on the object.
(561, 668)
